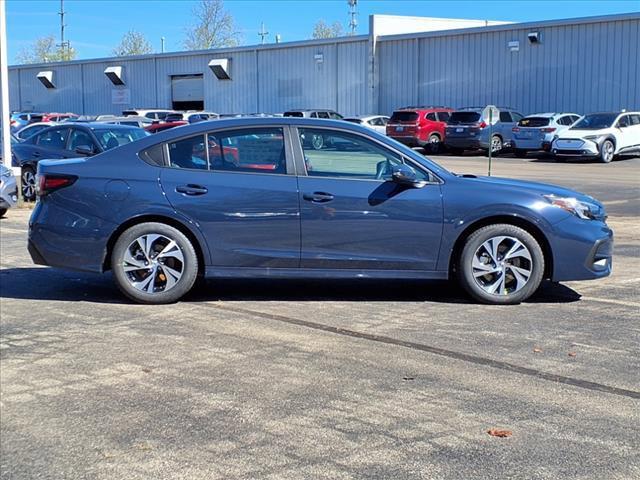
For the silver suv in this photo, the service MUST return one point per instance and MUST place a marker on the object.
(314, 113)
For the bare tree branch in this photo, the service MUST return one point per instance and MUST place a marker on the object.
(214, 27)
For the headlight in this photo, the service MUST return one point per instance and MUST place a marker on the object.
(594, 138)
(584, 210)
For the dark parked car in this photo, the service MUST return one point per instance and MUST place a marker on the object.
(467, 129)
(245, 198)
(68, 140)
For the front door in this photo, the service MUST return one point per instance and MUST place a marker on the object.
(240, 192)
(353, 217)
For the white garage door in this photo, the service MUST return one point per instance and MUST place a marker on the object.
(187, 88)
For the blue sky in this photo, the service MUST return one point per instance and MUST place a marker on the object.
(94, 27)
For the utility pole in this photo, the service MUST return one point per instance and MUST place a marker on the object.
(262, 33)
(161, 44)
(353, 13)
(4, 89)
(63, 45)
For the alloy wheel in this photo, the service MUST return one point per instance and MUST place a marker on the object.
(496, 144)
(502, 265)
(607, 151)
(28, 184)
(317, 142)
(153, 263)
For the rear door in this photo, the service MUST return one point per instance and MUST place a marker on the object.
(238, 187)
(51, 144)
(353, 217)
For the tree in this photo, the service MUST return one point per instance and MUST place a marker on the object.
(322, 30)
(214, 27)
(45, 50)
(132, 43)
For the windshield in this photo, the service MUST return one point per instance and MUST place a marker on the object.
(534, 122)
(112, 138)
(595, 121)
(463, 117)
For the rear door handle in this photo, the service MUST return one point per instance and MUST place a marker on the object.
(191, 189)
(317, 197)
(36, 154)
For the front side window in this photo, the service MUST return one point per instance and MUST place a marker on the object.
(55, 138)
(189, 153)
(257, 150)
(330, 153)
(324, 115)
(80, 138)
(335, 116)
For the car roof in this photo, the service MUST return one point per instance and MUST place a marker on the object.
(310, 110)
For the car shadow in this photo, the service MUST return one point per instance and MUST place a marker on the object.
(36, 283)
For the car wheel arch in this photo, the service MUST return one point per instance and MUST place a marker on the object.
(514, 220)
(187, 231)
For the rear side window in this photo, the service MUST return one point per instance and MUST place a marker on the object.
(55, 138)
(293, 114)
(189, 153)
(535, 122)
(464, 117)
(431, 116)
(256, 150)
(505, 117)
(324, 115)
(404, 117)
(635, 119)
(335, 116)
(153, 155)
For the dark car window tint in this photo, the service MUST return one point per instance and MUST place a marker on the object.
(293, 114)
(338, 154)
(189, 153)
(335, 116)
(324, 115)
(112, 138)
(534, 122)
(404, 117)
(505, 117)
(464, 117)
(431, 116)
(635, 119)
(80, 138)
(443, 116)
(56, 138)
(257, 150)
(154, 155)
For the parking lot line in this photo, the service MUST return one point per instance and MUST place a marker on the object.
(465, 357)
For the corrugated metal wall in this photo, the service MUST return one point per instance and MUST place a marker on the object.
(581, 68)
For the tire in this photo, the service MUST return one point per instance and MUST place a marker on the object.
(607, 150)
(478, 255)
(496, 145)
(28, 180)
(434, 144)
(3, 212)
(155, 274)
(520, 153)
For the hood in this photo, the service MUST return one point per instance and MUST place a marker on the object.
(532, 187)
(579, 133)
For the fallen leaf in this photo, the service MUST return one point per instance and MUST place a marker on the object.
(572, 354)
(408, 378)
(537, 349)
(494, 432)
(146, 370)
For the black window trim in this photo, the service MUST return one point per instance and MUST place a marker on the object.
(289, 163)
(300, 164)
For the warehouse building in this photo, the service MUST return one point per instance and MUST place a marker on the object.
(580, 65)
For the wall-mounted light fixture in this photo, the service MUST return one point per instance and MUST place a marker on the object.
(534, 37)
(46, 78)
(115, 74)
(221, 68)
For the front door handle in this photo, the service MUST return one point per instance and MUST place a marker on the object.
(318, 197)
(191, 189)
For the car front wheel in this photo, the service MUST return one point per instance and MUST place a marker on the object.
(607, 151)
(154, 263)
(501, 264)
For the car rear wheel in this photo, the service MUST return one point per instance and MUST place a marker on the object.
(607, 151)
(496, 145)
(434, 143)
(28, 184)
(501, 264)
(154, 263)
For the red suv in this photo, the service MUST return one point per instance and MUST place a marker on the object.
(419, 126)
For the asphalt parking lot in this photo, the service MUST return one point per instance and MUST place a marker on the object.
(320, 379)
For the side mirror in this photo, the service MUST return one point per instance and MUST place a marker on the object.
(84, 150)
(405, 175)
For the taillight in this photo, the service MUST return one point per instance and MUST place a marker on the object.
(482, 124)
(13, 122)
(515, 129)
(548, 129)
(49, 183)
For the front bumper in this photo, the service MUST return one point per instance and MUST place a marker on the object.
(582, 250)
(575, 148)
